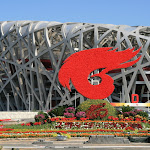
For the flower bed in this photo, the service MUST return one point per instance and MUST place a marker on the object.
(76, 128)
(97, 124)
(73, 133)
(4, 120)
(96, 120)
(6, 129)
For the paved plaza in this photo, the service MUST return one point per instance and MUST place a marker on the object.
(73, 143)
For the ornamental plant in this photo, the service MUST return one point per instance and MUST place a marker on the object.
(98, 125)
(39, 118)
(70, 110)
(136, 114)
(130, 113)
(142, 113)
(29, 124)
(85, 106)
(45, 114)
(127, 108)
(80, 114)
(59, 111)
(96, 111)
(129, 129)
(111, 118)
(68, 115)
(37, 123)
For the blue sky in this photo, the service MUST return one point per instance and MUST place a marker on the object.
(128, 12)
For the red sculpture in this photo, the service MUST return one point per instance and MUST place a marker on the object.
(78, 67)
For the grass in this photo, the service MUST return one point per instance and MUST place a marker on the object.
(18, 126)
(146, 125)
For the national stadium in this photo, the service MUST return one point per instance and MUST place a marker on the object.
(32, 52)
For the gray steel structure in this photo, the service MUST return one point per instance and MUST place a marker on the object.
(32, 52)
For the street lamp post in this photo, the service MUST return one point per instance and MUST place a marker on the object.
(50, 98)
(41, 102)
(50, 101)
(7, 101)
(120, 93)
(29, 100)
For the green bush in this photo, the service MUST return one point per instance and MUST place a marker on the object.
(41, 116)
(86, 105)
(45, 114)
(127, 108)
(59, 111)
(142, 113)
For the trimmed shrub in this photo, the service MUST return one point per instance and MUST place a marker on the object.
(87, 104)
(68, 115)
(97, 111)
(59, 111)
(142, 113)
(70, 110)
(130, 113)
(80, 114)
(41, 116)
(127, 108)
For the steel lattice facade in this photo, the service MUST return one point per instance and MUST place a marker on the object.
(32, 52)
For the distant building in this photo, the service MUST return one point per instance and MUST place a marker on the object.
(32, 52)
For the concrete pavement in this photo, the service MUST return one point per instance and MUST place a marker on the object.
(71, 144)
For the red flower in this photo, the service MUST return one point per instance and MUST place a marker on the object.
(110, 117)
(56, 119)
(37, 123)
(52, 119)
(73, 118)
(28, 124)
(83, 119)
(144, 121)
(129, 128)
(6, 129)
(22, 124)
(137, 119)
(131, 119)
(114, 119)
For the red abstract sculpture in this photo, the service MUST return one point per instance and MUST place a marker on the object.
(79, 65)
